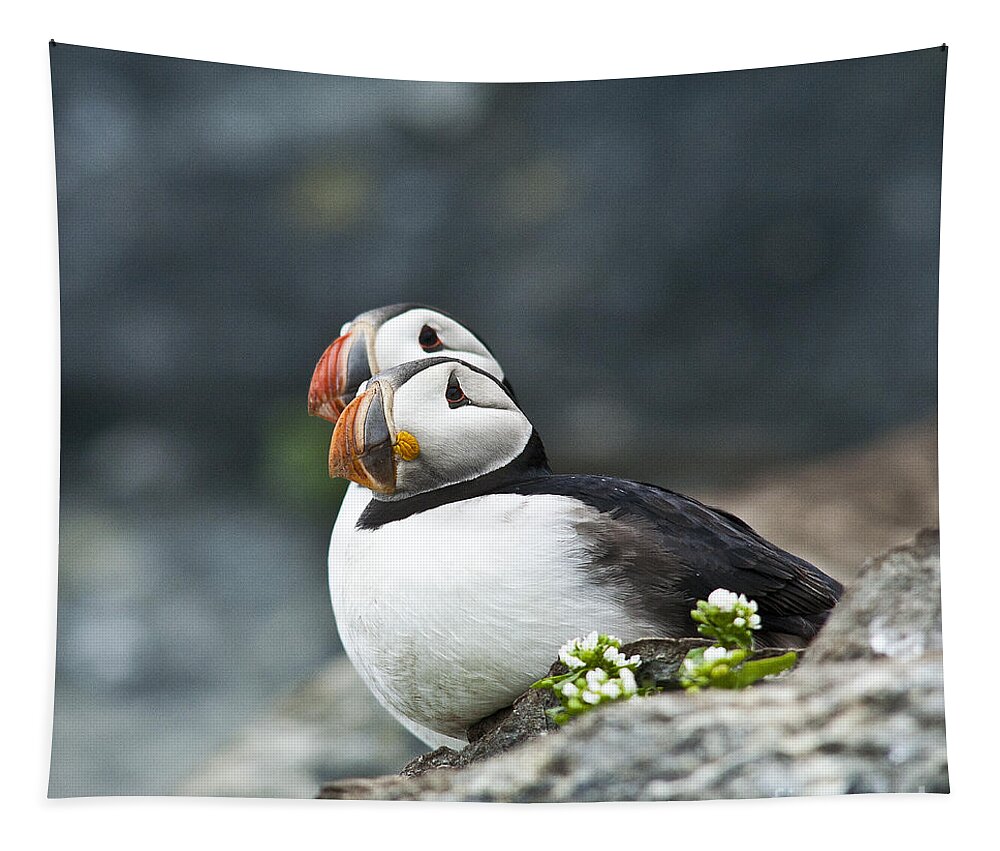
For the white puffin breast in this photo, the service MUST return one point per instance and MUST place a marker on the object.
(451, 613)
(355, 501)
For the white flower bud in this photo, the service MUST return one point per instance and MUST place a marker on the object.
(715, 654)
(739, 622)
(612, 689)
(722, 599)
(595, 678)
(628, 681)
(590, 697)
(569, 689)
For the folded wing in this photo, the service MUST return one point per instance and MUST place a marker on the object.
(662, 551)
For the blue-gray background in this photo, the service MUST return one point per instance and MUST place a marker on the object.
(688, 279)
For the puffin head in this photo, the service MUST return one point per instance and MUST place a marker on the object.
(425, 425)
(386, 337)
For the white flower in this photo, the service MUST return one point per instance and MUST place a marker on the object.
(739, 622)
(612, 655)
(628, 681)
(715, 654)
(590, 642)
(595, 678)
(722, 599)
(570, 661)
(590, 697)
(633, 660)
(612, 689)
(570, 690)
(754, 621)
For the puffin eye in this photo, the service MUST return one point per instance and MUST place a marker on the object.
(455, 394)
(429, 340)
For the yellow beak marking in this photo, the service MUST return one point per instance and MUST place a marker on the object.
(406, 446)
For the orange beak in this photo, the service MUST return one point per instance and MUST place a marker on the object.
(340, 371)
(362, 448)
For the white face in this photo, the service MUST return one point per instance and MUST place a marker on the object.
(466, 425)
(398, 340)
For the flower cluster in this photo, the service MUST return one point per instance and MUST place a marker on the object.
(598, 673)
(595, 649)
(729, 619)
(597, 686)
(704, 665)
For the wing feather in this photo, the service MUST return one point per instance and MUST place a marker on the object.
(668, 550)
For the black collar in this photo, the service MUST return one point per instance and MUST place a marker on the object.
(530, 464)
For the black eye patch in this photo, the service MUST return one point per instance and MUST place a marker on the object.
(429, 340)
(455, 394)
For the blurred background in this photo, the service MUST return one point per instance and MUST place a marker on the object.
(724, 283)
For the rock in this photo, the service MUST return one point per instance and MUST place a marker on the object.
(331, 726)
(892, 609)
(443, 757)
(864, 712)
(526, 718)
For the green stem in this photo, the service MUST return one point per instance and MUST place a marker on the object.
(750, 672)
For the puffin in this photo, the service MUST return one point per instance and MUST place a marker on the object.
(473, 562)
(386, 337)
(379, 339)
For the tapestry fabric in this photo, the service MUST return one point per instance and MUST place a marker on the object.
(566, 441)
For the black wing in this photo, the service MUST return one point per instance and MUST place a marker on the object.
(664, 551)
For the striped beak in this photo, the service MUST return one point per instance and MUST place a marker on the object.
(340, 371)
(362, 449)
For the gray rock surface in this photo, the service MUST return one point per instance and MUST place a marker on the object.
(331, 726)
(893, 609)
(864, 712)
